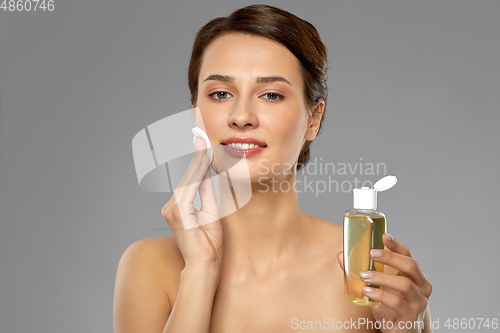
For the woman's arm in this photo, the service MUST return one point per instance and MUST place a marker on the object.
(193, 307)
(141, 300)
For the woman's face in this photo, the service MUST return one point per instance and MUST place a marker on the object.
(236, 101)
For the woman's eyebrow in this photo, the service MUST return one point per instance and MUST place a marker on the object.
(258, 79)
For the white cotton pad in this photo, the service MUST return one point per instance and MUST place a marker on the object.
(200, 133)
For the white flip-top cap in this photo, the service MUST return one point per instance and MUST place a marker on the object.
(200, 133)
(366, 198)
(385, 183)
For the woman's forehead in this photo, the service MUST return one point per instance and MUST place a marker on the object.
(245, 56)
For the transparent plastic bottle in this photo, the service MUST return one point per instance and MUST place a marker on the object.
(364, 227)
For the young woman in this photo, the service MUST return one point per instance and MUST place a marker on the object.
(258, 75)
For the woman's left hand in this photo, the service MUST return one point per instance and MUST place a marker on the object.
(404, 294)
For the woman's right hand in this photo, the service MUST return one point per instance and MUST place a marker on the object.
(198, 233)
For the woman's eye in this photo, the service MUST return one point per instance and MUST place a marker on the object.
(273, 97)
(219, 95)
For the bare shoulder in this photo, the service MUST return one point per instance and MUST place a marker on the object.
(324, 237)
(329, 231)
(159, 252)
(146, 285)
(163, 257)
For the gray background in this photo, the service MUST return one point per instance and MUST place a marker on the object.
(412, 84)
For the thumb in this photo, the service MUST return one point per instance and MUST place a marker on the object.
(340, 259)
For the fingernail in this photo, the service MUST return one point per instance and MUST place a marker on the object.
(367, 290)
(389, 237)
(376, 254)
(366, 275)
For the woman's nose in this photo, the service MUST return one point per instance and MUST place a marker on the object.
(243, 115)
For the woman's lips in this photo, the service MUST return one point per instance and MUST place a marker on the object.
(240, 152)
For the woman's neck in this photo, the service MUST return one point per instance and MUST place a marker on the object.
(269, 229)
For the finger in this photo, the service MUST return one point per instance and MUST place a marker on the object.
(395, 246)
(176, 218)
(186, 190)
(401, 284)
(396, 303)
(208, 199)
(167, 212)
(405, 265)
(340, 259)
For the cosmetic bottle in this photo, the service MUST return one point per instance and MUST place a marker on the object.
(364, 227)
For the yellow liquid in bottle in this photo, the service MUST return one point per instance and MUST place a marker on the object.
(360, 236)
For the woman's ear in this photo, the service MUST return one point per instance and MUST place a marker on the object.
(315, 120)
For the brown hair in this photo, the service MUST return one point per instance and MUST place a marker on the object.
(297, 35)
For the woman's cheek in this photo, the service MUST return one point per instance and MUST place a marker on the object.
(287, 133)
